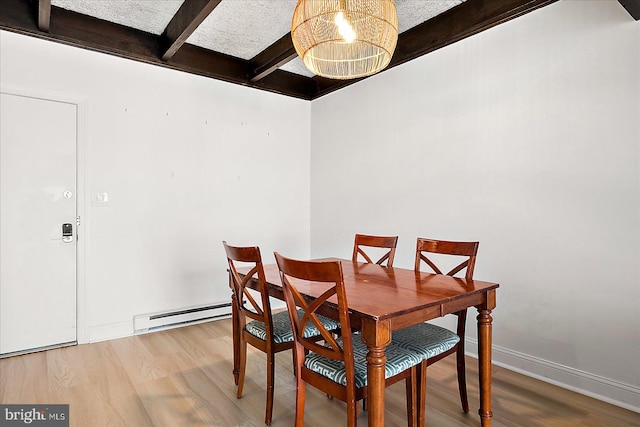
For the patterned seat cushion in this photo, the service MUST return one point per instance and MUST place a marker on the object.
(398, 360)
(425, 339)
(282, 331)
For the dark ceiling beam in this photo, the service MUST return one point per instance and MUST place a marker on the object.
(633, 7)
(184, 23)
(455, 24)
(460, 22)
(44, 15)
(281, 80)
(86, 32)
(272, 58)
(82, 31)
(261, 72)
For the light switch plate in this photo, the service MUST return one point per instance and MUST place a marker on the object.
(100, 200)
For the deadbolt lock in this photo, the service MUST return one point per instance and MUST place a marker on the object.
(67, 233)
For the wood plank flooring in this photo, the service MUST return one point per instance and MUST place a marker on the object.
(182, 378)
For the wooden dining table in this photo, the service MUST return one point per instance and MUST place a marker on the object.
(384, 299)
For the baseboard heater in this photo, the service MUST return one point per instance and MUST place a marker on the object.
(172, 319)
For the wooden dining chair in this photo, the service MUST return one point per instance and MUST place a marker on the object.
(337, 365)
(431, 341)
(385, 242)
(268, 332)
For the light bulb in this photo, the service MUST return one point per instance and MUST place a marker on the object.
(344, 28)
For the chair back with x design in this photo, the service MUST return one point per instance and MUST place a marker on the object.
(461, 249)
(245, 300)
(384, 242)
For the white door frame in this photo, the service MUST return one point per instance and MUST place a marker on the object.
(82, 330)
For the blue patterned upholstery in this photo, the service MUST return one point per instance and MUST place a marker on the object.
(398, 360)
(425, 339)
(282, 331)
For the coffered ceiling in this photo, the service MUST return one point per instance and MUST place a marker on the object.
(247, 42)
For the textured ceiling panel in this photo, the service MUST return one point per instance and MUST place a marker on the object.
(151, 16)
(243, 28)
(415, 12)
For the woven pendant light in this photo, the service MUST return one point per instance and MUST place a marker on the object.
(345, 39)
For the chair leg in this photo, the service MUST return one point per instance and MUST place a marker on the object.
(242, 361)
(236, 340)
(411, 390)
(462, 380)
(270, 384)
(293, 354)
(421, 398)
(352, 413)
(301, 392)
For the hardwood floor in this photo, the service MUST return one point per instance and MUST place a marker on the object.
(182, 377)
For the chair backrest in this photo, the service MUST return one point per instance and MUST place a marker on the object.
(326, 277)
(461, 249)
(244, 299)
(388, 242)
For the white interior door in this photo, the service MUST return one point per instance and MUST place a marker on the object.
(37, 196)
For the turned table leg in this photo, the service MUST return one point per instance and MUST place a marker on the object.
(484, 365)
(376, 335)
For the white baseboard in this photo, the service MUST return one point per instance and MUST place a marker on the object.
(110, 331)
(149, 322)
(611, 391)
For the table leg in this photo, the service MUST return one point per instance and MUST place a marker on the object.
(484, 365)
(376, 361)
(376, 336)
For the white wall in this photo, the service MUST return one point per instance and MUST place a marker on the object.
(525, 137)
(187, 162)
